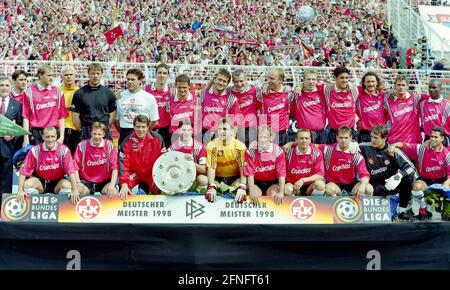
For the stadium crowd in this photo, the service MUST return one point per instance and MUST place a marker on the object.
(351, 33)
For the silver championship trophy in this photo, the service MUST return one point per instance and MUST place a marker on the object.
(173, 174)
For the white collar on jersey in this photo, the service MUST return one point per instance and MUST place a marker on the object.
(339, 149)
(268, 150)
(187, 144)
(339, 90)
(407, 96)
(45, 148)
(101, 144)
(375, 93)
(297, 150)
(189, 97)
(41, 87)
(166, 87)
(438, 100)
(313, 90)
(225, 91)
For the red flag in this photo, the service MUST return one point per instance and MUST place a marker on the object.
(307, 50)
(113, 34)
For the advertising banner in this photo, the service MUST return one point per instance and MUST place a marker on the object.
(195, 210)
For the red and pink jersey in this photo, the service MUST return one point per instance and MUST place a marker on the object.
(265, 165)
(435, 113)
(343, 167)
(43, 107)
(217, 106)
(404, 117)
(340, 106)
(430, 164)
(16, 96)
(48, 164)
(370, 109)
(196, 148)
(274, 110)
(181, 110)
(162, 98)
(309, 109)
(302, 165)
(96, 164)
(247, 101)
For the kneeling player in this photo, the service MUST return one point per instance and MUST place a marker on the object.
(433, 166)
(225, 160)
(139, 153)
(389, 175)
(45, 166)
(265, 167)
(96, 162)
(345, 170)
(193, 150)
(305, 168)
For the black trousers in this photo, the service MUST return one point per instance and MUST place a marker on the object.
(246, 135)
(403, 189)
(332, 136)
(71, 139)
(6, 173)
(363, 136)
(164, 132)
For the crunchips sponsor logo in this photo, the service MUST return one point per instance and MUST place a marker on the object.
(96, 163)
(341, 167)
(342, 105)
(213, 110)
(301, 171)
(378, 171)
(49, 167)
(265, 168)
(431, 118)
(274, 108)
(182, 115)
(371, 108)
(246, 104)
(46, 105)
(311, 103)
(403, 111)
(433, 168)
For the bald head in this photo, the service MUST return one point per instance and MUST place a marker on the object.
(435, 89)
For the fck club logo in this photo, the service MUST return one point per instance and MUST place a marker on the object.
(303, 209)
(88, 207)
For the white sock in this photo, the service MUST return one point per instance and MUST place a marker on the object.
(419, 197)
(316, 192)
(31, 190)
(65, 191)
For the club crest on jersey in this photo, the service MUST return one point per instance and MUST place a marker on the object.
(220, 153)
(371, 162)
(387, 162)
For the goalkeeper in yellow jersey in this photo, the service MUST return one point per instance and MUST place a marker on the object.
(225, 161)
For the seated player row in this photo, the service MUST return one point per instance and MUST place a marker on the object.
(264, 168)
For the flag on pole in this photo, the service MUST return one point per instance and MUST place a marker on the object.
(112, 34)
(307, 50)
(9, 128)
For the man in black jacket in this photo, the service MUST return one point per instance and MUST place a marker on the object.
(389, 175)
(12, 110)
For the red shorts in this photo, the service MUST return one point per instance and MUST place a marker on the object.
(145, 182)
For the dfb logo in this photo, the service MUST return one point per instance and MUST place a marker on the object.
(303, 209)
(88, 207)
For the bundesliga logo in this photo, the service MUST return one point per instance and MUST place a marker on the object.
(13, 210)
(347, 210)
